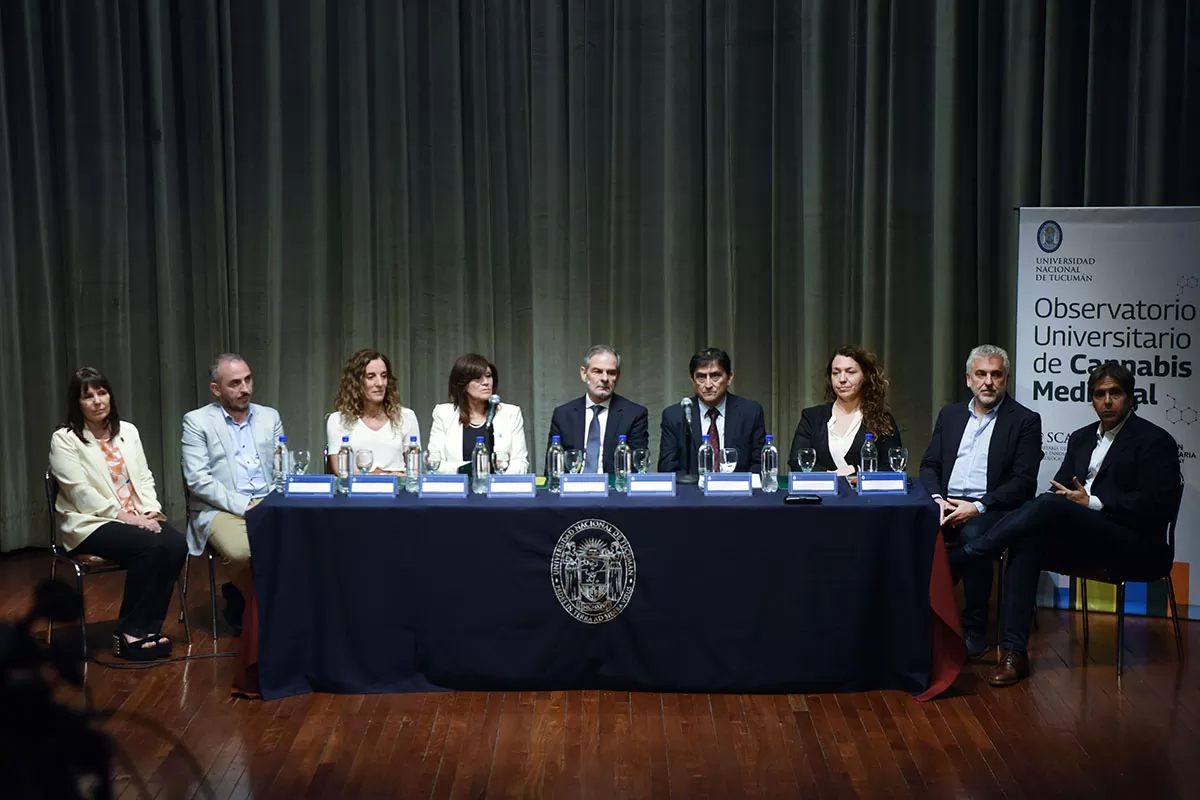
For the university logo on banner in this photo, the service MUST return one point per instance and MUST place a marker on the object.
(593, 571)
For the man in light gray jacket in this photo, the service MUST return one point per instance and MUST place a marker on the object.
(228, 466)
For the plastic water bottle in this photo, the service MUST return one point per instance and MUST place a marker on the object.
(480, 462)
(555, 463)
(770, 466)
(282, 463)
(706, 458)
(622, 464)
(345, 457)
(412, 464)
(869, 456)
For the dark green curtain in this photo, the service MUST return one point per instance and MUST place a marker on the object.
(295, 179)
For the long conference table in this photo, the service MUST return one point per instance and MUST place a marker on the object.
(686, 593)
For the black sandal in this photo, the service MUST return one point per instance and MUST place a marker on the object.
(137, 651)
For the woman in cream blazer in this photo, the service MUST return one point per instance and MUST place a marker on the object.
(107, 507)
(473, 380)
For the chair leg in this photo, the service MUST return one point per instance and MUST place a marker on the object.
(82, 611)
(187, 625)
(1175, 617)
(1083, 597)
(50, 622)
(1000, 564)
(1120, 627)
(212, 595)
(187, 562)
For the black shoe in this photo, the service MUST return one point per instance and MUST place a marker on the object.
(977, 643)
(235, 607)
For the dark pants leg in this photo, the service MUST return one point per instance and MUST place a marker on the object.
(1051, 532)
(152, 562)
(977, 573)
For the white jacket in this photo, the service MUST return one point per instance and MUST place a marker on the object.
(446, 437)
(87, 498)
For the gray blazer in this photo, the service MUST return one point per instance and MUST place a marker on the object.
(209, 469)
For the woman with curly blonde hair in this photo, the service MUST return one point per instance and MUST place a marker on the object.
(855, 405)
(367, 409)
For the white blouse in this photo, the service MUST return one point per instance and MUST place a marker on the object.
(840, 445)
(386, 444)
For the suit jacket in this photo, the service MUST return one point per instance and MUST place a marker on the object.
(813, 431)
(87, 498)
(508, 429)
(624, 417)
(745, 429)
(1138, 483)
(1014, 455)
(209, 468)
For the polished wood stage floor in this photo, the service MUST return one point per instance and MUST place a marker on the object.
(1072, 730)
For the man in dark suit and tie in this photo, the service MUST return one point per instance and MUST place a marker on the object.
(1110, 504)
(593, 422)
(729, 420)
(982, 464)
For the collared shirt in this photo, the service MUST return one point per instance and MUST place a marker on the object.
(704, 421)
(588, 405)
(1104, 442)
(968, 478)
(248, 471)
(839, 444)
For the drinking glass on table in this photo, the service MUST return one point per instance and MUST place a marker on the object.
(433, 460)
(641, 460)
(898, 458)
(299, 462)
(808, 459)
(500, 461)
(364, 459)
(729, 456)
(575, 460)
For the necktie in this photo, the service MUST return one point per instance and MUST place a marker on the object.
(592, 458)
(714, 436)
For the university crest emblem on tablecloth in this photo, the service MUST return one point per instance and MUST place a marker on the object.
(593, 571)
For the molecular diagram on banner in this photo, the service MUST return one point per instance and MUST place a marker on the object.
(1186, 282)
(1176, 413)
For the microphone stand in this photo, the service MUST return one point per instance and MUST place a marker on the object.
(685, 476)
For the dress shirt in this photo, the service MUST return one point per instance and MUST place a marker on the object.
(1104, 442)
(704, 407)
(587, 425)
(969, 476)
(249, 479)
(839, 444)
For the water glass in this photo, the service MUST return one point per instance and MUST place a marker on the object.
(300, 460)
(364, 459)
(500, 461)
(729, 457)
(641, 460)
(575, 460)
(808, 459)
(433, 460)
(898, 458)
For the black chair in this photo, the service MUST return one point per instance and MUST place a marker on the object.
(208, 552)
(1119, 576)
(85, 565)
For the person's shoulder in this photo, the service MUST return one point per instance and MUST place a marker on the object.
(201, 413)
(130, 430)
(510, 409)
(565, 407)
(817, 411)
(1017, 408)
(744, 403)
(64, 437)
(625, 402)
(266, 411)
(334, 422)
(407, 414)
(1149, 430)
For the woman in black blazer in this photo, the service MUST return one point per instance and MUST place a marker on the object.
(855, 404)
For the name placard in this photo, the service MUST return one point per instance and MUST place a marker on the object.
(584, 485)
(728, 483)
(516, 485)
(882, 483)
(652, 484)
(442, 486)
(308, 486)
(372, 485)
(813, 483)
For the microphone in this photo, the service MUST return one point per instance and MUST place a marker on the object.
(687, 410)
(493, 402)
(685, 475)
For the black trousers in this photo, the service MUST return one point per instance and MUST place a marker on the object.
(977, 573)
(152, 562)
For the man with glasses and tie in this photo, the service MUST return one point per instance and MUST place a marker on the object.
(593, 422)
(729, 420)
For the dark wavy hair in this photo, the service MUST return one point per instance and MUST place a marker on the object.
(350, 401)
(88, 378)
(466, 369)
(877, 416)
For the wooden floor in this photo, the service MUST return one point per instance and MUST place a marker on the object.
(1072, 730)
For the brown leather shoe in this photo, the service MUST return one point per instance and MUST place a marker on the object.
(1013, 667)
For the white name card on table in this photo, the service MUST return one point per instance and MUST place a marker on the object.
(515, 485)
(652, 484)
(442, 486)
(813, 483)
(584, 485)
(882, 483)
(308, 486)
(736, 484)
(372, 485)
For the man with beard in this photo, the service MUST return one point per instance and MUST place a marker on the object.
(593, 422)
(228, 466)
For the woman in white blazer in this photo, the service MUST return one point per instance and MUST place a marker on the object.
(107, 507)
(367, 409)
(473, 380)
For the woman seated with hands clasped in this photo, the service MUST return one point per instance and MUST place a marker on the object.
(107, 507)
(856, 404)
(473, 380)
(367, 409)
